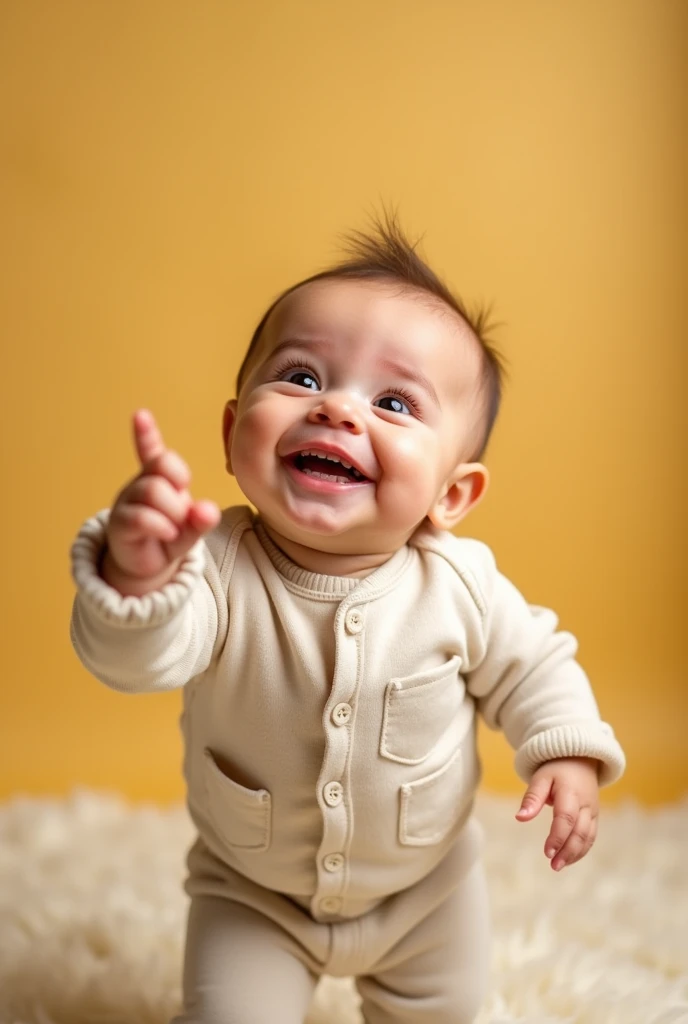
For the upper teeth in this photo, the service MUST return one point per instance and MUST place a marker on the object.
(328, 457)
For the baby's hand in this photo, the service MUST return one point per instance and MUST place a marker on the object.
(154, 520)
(570, 784)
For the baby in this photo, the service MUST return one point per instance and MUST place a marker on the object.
(335, 649)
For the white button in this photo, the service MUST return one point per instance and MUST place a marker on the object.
(341, 714)
(330, 905)
(353, 621)
(333, 862)
(333, 794)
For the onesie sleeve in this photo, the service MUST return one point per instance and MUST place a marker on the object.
(155, 642)
(526, 681)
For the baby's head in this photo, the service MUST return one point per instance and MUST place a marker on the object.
(365, 403)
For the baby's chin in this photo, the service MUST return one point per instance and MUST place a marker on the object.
(331, 528)
(309, 522)
(329, 537)
(328, 540)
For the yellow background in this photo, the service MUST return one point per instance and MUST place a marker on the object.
(168, 167)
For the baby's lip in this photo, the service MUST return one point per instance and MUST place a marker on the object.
(327, 448)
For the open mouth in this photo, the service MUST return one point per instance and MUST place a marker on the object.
(327, 467)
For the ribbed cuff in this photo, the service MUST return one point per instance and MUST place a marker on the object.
(152, 609)
(594, 739)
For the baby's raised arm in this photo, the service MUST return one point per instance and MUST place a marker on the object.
(154, 520)
(150, 608)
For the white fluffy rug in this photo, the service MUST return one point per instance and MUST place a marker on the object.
(92, 916)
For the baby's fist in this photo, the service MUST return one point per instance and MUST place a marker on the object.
(154, 520)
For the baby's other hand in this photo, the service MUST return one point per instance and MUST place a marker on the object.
(154, 520)
(570, 785)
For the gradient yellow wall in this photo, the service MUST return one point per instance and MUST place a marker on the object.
(167, 167)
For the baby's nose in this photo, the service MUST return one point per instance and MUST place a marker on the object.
(338, 410)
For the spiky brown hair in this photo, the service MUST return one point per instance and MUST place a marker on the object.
(386, 254)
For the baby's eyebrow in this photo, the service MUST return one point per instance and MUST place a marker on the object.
(413, 374)
(297, 343)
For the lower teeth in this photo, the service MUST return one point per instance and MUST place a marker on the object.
(327, 476)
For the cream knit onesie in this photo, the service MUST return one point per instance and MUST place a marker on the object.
(330, 758)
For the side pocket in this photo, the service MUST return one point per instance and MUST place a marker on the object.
(431, 806)
(241, 816)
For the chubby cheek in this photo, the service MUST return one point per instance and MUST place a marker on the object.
(254, 440)
(409, 465)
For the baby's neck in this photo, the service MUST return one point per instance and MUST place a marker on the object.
(324, 562)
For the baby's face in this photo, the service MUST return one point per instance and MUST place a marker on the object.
(357, 408)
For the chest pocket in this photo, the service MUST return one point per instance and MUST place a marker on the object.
(418, 710)
(241, 816)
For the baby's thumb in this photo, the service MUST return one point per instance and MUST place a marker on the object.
(535, 799)
(201, 517)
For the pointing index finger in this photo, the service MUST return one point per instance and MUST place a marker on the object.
(147, 437)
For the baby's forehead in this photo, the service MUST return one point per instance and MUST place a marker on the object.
(388, 314)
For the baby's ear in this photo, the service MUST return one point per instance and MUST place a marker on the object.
(228, 420)
(464, 489)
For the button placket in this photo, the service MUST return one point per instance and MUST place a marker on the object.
(332, 874)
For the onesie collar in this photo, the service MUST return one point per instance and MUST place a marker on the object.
(334, 586)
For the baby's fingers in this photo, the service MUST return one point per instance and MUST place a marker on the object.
(147, 437)
(202, 517)
(158, 493)
(579, 842)
(536, 796)
(155, 458)
(566, 809)
(135, 522)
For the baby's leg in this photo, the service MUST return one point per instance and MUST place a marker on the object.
(438, 973)
(241, 968)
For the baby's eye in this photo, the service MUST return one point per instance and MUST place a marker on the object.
(393, 404)
(303, 378)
